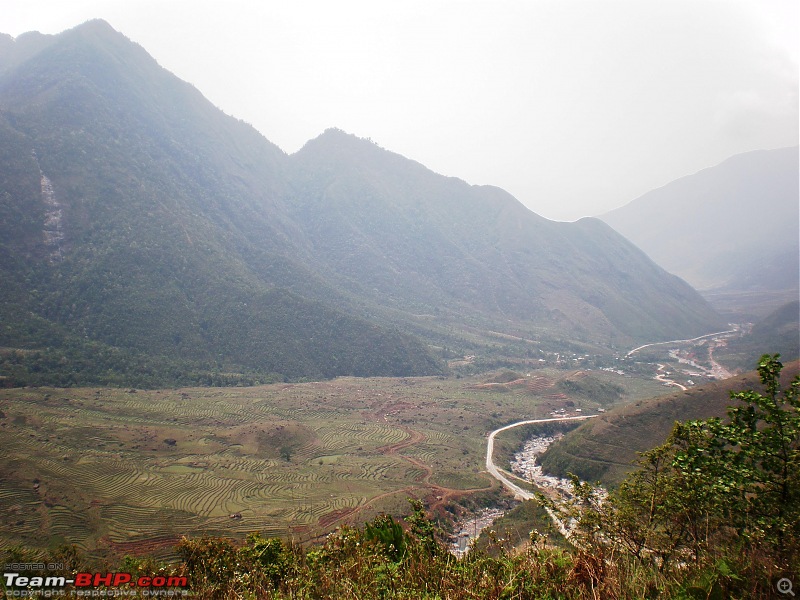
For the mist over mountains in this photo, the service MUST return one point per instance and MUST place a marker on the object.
(732, 227)
(147, 237)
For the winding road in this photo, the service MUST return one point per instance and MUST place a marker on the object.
(702, 337)
(662, 377)
(444, 494)
(519, 493)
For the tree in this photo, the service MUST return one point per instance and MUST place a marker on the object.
(766, 435)
(715, 493)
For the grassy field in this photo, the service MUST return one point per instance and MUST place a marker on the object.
(119, 471)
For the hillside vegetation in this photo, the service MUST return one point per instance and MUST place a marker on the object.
(779, 330)
(606, 448)
(714, 512)
(141, 225)
(289, 459)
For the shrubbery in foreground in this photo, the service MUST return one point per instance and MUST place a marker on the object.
(712, 513)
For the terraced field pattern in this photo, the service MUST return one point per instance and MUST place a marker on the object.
(127, 471)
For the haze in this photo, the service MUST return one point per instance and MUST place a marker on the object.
(574, 107)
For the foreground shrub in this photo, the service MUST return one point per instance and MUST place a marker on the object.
(712, 513)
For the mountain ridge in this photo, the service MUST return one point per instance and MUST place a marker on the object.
(494, 229)
(183, 232)
(157, 255)
(733, 226)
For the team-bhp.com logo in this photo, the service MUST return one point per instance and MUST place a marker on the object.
(94, 584)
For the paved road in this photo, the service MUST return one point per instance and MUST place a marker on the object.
(518, 492)
(680, 341)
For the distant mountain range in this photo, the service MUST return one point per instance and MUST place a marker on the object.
(148, 238)
(732, 229)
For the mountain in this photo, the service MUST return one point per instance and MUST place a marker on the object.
(147, 237)
(778, 332)
(606, 448)
(729, 229)
(138, 217)
(416, 241)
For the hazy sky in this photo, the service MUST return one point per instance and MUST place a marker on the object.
(575, 107)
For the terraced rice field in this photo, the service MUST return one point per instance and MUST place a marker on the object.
(127, 471)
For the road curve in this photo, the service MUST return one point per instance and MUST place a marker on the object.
(680, 341)
(518, 492)
(662, 377)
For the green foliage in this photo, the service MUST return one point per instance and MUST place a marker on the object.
(712, 513)
(423, 529)
(195, 247)
(606, 449)
(268, 559)
(258, 345)
(723, 496)
(764, 441)
(505, 376)
(286, 453)
(178, 265)
(592, 388)
(210, 562)
(387, 532)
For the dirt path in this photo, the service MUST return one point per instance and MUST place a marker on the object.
(437, 495)
(662, 377)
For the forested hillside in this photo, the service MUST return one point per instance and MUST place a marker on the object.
(141, 225)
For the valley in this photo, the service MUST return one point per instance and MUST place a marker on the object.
(131, 470)
(116, 471)
(202, 335)
(127, 470)
(518, 492)
(690, 360)
(196, 252)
